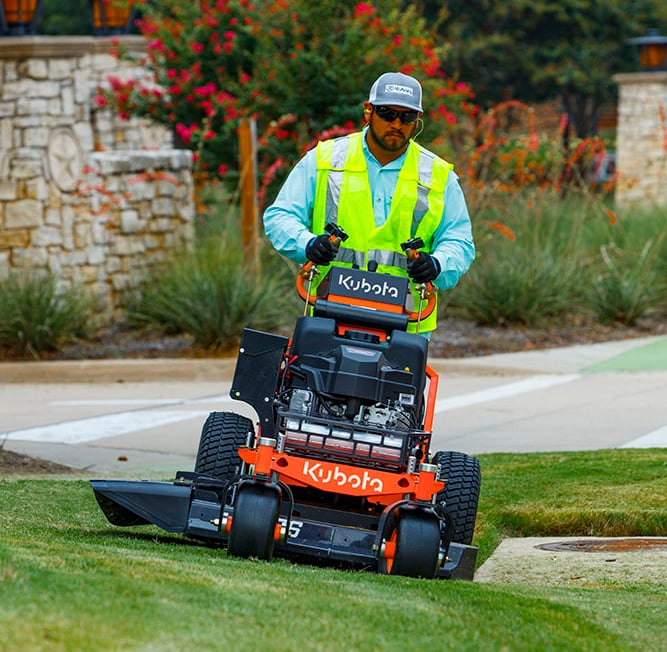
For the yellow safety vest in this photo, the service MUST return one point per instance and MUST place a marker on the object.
(343, 196)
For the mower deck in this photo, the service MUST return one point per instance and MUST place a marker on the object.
(193, 507)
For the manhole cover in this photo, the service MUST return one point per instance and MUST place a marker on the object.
(606, 545)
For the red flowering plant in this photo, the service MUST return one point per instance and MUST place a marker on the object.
(520, 168)
(302, 69)
(322, 58)
(198, 60)
(514, 155)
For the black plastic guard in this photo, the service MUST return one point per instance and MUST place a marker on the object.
(460, 563)
(354, 545)
(126, 503)
(257, 372)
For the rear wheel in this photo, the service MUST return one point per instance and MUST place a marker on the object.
(222, 435)
(460, 497)
(254, 522)
(413, 547)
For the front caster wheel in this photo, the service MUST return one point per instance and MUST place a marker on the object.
(413, 546)
(254, 522)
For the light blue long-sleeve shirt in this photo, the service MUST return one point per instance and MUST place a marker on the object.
(288, 221)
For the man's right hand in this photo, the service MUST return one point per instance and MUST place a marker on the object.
(321, 250)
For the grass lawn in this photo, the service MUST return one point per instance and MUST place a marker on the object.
(71, 581)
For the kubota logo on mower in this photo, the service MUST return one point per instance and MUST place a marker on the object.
(337, 477)
(376, 289)
(368, 285)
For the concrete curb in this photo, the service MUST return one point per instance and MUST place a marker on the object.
(118, 371)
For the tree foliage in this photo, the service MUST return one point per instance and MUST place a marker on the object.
(60, 17)
(538, 50)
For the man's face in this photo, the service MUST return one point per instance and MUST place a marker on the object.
(392, 137)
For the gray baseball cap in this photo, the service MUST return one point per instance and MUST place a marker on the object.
(396, 89)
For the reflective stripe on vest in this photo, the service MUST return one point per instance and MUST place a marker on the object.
(343, 196)
(335, 179)
(425, 170)
(388, 258)
(354, 258)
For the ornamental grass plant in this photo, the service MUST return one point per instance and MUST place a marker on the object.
(37, 315)
(212, 291)
(564, 256)
(528, 267)
(630, 281)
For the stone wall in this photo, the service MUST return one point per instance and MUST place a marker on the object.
(82, 193)
(641, 139)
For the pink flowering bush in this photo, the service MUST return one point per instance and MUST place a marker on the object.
(302, 69)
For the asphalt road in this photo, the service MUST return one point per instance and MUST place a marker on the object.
(142, 418)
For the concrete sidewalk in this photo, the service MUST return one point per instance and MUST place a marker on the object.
(638, 354)
(34, 395)
(126, 370)
(589, 562)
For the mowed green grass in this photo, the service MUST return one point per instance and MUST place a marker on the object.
(71, 581)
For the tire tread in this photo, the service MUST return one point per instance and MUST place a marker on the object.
(222, 435)
(461, 493)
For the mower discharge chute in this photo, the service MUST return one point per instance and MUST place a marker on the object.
(339, 467)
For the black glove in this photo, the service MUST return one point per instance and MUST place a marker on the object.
(423, 269)
(321, 250)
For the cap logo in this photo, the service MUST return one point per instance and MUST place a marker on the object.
(397, 88)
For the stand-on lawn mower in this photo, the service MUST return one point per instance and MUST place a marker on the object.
(340, 468)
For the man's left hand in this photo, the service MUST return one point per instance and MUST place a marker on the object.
(423, 269)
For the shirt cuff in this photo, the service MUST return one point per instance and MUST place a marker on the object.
(302, 242)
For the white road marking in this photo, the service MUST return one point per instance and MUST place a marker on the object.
(121, 423)
(655, 439)
(503, 391)
(107, 425)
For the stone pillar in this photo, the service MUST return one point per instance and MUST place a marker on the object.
(82, 193)
(641, 139)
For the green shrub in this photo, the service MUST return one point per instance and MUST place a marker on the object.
(542, 255)
(212, 292)
(36, 315)
(631, 286)
(527, 268)
(512, 285)
(291, 65)
(628, 274)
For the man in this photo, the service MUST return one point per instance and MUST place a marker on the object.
(383, 189)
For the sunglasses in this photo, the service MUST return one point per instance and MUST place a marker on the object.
(389, 115)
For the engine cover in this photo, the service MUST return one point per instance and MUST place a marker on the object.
(351, 371)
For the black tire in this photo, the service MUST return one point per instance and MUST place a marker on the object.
(221, 436)
(254, 522)
(460, 496)
(417, 540)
